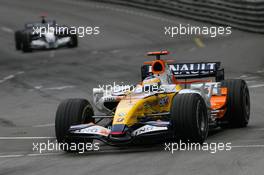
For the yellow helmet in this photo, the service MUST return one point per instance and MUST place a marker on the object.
(151, 83)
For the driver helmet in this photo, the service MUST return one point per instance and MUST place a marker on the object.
(151, 84)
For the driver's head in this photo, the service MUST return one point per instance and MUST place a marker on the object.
(51, 30)
(151, 84)
(43, 20)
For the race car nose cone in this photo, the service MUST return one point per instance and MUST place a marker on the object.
(118, 130)
(118, 133)
(50, 37)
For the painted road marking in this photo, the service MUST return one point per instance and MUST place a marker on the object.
(247, 146)
(251, 81)
(250, 78)
(44, 125)
(258, 129)
(199, 42)
(40, 87)
(9, 77)
(11, 156)
(43, 154)
(243, 76)
(6, 29)
(61, 153)
(256, 86)
(29, 155)
(60, 87)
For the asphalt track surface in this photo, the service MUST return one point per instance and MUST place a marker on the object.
(33, 84)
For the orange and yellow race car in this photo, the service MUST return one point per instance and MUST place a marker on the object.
(173, 101)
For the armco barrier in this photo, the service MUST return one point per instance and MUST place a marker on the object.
(242, 14)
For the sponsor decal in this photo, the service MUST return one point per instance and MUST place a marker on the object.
(192, 68)
(147, 129)
(121, 114)
(97, 130)
(109, 99)
(147, 106)
(119, 119)
(164, 101)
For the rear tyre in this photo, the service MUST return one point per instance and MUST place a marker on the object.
(238, 104)
(18, 36)
(26, 40)
(73, 42)
(72, 112)
(189, 117)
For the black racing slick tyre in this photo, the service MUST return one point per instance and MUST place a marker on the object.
(26, 40)
(74, 41)
(18, 38)
(189, 118)
(72, 112)
(238, 104)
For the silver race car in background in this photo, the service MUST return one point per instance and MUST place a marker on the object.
(46, 34)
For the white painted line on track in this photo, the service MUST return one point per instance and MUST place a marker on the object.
(61, 153)
(25, 138)
(60, 87)
(247, 146)
(9, 77)
(243, 76)
(28, 155)
(44, 125)
(250, 78)
(251, 81)
(43, 154)
(256, 86)
(40, 87)
(258, 129)
(11, 156)
(6, 29)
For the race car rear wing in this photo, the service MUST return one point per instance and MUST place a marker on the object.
(190, 70)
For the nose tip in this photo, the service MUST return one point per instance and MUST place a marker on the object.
(118, 133)
(50, 37)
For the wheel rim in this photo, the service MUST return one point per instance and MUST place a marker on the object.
(86, 114)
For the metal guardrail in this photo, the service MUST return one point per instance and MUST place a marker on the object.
(242, 14)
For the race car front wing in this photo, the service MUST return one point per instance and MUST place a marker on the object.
(106, 135)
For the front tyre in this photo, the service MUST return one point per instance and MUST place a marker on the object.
(18, 38)
(26, 42)
(189, 117)
(71, 112)
(73, 41)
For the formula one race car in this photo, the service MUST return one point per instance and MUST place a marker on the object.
(46, 34)
(173, 101)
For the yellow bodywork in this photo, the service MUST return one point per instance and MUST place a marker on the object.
(135, 106)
